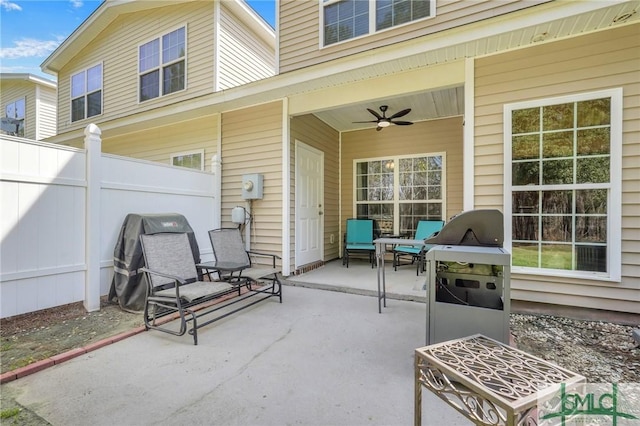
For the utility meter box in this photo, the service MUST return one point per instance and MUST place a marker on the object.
(252, 186)
(238, 215)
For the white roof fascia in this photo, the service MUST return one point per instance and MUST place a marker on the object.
(29, 77)
(249, 17)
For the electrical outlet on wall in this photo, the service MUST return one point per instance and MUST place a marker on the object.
(332, 239)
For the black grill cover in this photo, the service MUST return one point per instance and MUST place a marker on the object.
(472, 228)
(128, 287)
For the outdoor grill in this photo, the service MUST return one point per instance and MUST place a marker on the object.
(468, 279)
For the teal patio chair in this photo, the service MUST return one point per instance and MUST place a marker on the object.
(425, 229)
(359, 240)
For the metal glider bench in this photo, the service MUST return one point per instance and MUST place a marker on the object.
(174, 287)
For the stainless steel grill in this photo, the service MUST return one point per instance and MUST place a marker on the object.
(468, 279)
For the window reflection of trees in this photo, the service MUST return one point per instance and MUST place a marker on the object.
(419, 190)
(562, 145)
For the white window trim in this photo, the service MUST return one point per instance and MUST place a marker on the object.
(183, 153)
(614, 207)
(396, 185)
(24, 118)
(186, 62)
(86, 104)
(372, 23)
(23, 99)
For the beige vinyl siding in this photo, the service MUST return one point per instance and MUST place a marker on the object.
(602, 60)
(11, 91)
(158, 143)
(435, 136)
(252, 143)
(310, 130)
(243, 58)
(301, 32)
(117, 48)
(46, 112)
(40, 106)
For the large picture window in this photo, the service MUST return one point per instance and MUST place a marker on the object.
(400, 191)
(161, 64)
(347, 19)
(86, 93)
(564, 184)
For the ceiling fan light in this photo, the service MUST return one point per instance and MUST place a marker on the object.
(383, 123)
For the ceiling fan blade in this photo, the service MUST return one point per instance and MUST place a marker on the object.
(400, 113)
(372, 121)
(402, 123)
(378, 128)
(378, 116)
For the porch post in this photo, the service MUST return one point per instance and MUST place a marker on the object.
(93, 147)
(468, 145)
(286, 195)
(216, 169)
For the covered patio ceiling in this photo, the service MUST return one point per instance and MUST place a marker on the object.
(424, 106)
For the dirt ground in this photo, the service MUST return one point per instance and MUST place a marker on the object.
(38, 335)
(603, 352)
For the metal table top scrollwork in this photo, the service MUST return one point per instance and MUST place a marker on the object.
(486, 381)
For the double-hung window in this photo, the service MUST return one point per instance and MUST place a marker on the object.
(563, 185)
(16, 111)
(161, 65)
(86, 93)
(347, 19)
(400, 191)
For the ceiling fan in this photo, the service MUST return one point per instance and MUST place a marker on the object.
(384, 121)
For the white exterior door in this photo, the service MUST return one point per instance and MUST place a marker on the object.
(309, 204)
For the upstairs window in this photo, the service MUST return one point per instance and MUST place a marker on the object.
(563, 185)
(161, 65)
(16, 111)
(390, 13)
(347, 19)
(86, 93)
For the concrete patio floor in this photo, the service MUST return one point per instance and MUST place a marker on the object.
(361, 278)
(319, 358)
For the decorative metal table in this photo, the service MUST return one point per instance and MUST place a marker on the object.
(486, 381)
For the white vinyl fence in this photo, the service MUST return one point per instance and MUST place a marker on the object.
(61, 210)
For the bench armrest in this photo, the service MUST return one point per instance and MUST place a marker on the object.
(178, 281)
(273, 256)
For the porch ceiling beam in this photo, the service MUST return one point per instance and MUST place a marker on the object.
(419, 80)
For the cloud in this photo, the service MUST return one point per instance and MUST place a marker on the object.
(9, 6)
(77, 4)
(28, 47)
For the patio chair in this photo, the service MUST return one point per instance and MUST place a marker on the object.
(359, 240)
(425, 229)
(172, 282)
(228, 247)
